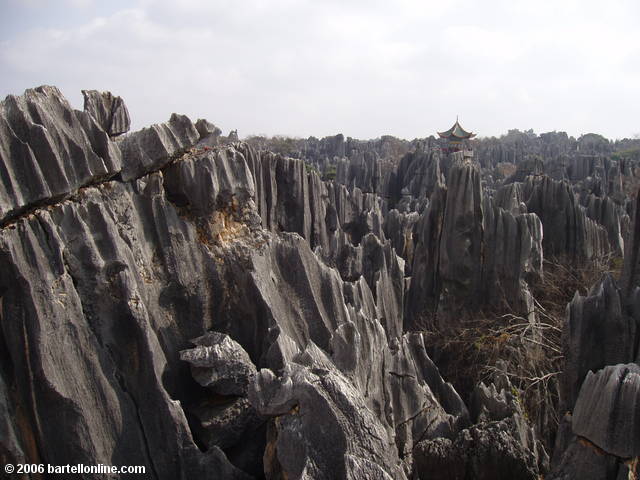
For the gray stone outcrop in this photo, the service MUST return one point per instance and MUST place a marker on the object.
(108, 110)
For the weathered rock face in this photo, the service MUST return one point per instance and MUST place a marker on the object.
(127, 271)
(439, 411)
(282, 192)
(580, 167)
(319, 431)
(604, 427)
(290, 198)
(606, 213)
(223, 418)
(203, 184)
(600, 439)
(517, 147)
(598, 332)
(304, 297)
(366, 164)
(470, 252)
(585, 461)
(512, 257)
(423, 293)
(398, 228)
(108, 111)
(313, 330)
(568, 230)
(494, 401)
(529, 167)
(362, 171)
(48, 151)
(154, 147)
(462, 235)
(418, 176)
(381, 268)
(509, 198)
(596, 175)
(220, 363)
(500, 445)
(209, 133)
(330, 147)
(614, 393)
(584, 220)
(630, 277)
(100, 277)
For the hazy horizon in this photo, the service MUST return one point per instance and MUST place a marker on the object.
(364, 69)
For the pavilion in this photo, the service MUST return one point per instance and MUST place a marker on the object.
(456, 138)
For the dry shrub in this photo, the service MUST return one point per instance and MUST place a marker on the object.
(473, 347)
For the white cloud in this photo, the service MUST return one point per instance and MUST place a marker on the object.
(365, 68)
(80, 3)
(40, 4)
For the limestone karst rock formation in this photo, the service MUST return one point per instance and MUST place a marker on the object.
(362, 171)
(512, 258)
(108, 273)
(499, 445)
(398, 228)
(209, 133)
(568, 229)
(614, 393)
(630, 276)
(418, 175)
(462, 234)
(598, 332)
(154, 147)
(603, 438)
(562, 198)
(220, 364)
(471, 252)
(606, 213)
(49, 150)
(109, 111)
(598, 436)
(207, 309)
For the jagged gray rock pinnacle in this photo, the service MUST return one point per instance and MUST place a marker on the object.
(109, 111)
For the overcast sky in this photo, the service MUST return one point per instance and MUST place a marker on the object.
(363, 67)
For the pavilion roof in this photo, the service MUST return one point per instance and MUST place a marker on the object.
(456, 133)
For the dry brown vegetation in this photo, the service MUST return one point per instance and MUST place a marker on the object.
(529, 352)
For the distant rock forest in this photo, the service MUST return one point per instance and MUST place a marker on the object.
(285, 308)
